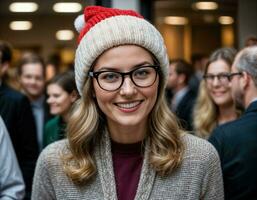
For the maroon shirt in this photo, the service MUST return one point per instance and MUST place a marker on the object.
(127, 163)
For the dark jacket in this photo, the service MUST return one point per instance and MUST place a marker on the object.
(236, 143)
(184, 108)
(17, 114)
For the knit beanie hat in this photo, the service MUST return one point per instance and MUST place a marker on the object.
(102, 28)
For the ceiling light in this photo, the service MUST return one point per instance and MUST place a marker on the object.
(64, 35)
(67, 7)
(207, 5)
(175, 20)
(20, 25)
(225, 20)
(23, 7)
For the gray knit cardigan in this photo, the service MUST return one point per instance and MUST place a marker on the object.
(199, 176)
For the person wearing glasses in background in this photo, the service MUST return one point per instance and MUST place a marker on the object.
(123, 141)
(236, 142)
(214, 104)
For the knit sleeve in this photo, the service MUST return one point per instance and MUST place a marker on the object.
(42, 187)
(213, 182)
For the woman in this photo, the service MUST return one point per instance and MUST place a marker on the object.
(62, 93)
(123, 142)
(214, 104)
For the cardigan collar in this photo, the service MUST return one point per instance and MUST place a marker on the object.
(106, 173)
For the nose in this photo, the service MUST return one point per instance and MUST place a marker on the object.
(128, 88)
(49, 100)
(216, 81)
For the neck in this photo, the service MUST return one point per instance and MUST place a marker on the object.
(129, 134)
(65, 117)
(227, 113)
(179, 88)
(249, 97)
(34, 98)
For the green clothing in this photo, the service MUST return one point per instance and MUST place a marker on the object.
(54, 130)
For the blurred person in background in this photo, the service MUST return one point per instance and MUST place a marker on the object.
(183, 97)
(31, 71)
(62, 93)
(53, 66)
(214, 105)
(198, 62)
(251, 41)
(11, 182)
(16, 112)
(236, 142)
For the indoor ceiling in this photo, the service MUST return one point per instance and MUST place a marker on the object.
(163, 7)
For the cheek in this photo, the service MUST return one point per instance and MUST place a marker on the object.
(102, 97)
(208, 87)
(151, 94)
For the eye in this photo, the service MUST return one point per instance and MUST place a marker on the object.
(142, 73)
(109, 77)
(209, 77)
(223, 76)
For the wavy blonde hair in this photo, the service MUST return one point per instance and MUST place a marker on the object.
(85, 127)
(205, 112)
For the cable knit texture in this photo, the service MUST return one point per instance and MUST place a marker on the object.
(199, 176)
(106, 28)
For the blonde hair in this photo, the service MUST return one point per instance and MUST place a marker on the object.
(86, 125)
(205, 113)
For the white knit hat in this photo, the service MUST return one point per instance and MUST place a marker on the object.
(102, 28)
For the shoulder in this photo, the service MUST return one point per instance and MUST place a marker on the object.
(53, 122)
(229, 129)
(51, 155)
(11, 93)
(198, 149)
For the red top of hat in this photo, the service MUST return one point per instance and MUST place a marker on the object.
(95, 14)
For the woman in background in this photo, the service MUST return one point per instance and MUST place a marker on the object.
(62, 93)
(214, 104)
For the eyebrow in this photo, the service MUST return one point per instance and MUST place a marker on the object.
(107, 68)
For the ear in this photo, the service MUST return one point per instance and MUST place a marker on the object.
(4, 68)
(245, 80)
(181, 78)
(74, 96)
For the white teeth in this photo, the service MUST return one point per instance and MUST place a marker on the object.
(128, 105)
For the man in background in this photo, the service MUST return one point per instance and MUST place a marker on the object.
(236, 142)
(183, 97)
(31, 71)
(17, 115)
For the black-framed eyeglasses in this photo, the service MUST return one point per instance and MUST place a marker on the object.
(223, 78)
(143, 77)
(235, 74)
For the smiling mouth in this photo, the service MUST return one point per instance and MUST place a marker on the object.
(128, 105)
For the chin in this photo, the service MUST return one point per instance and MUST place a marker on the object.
(128, 121)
